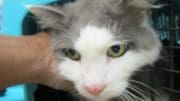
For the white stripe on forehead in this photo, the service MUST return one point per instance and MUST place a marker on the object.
(93, 38)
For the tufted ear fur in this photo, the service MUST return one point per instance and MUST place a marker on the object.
(136, 3)
(140, 5)
(146, 4)
(49, 18)
(133, 12)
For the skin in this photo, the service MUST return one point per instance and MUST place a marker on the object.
(29, 59)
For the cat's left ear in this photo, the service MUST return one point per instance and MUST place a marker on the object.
(48, 17)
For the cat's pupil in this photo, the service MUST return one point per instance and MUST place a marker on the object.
(72, 52)
(115, 49)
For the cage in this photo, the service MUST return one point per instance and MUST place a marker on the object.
(166, 21)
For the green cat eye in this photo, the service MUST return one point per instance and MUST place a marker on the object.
(72, 54)
(116, 50)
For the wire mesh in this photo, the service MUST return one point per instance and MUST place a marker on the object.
(167, 23)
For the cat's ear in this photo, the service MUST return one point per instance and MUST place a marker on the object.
(48, 17)
(139, 9)
(144, 4)
(135, 11)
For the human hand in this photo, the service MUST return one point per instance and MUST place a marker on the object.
(29, 59)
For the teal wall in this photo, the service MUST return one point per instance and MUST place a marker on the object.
(13, 14)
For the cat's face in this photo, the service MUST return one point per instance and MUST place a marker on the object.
(100, 53)
(101, 66)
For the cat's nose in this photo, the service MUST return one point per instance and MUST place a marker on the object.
(95, 90)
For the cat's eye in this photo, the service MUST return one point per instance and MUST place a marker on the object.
(72, 54)
(116, 50)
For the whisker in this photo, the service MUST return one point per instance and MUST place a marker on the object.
(137, 91)
(136, 97)
(119, 98)
(171, 56)
(130, 96)
(141, 83)
(148, 87)
(143, 70)
(126, 97)
(122, 98)
(171, 70)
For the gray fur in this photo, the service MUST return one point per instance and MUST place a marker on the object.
(125, 18)
(127, 15)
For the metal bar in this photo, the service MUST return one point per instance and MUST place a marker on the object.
(172, 41)
(167, 29)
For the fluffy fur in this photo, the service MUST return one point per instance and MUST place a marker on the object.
(91, 27)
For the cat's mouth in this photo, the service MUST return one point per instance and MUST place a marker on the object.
(102, 93)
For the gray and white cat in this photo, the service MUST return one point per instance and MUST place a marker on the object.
(101, 45)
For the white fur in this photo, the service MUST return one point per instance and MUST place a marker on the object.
(95, 67)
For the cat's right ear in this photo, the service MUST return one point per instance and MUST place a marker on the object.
(48, 17)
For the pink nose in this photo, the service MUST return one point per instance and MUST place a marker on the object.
(95, 90)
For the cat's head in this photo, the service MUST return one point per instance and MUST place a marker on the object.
(100, 44)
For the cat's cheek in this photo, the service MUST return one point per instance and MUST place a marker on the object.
(70, 70)
(115, 89)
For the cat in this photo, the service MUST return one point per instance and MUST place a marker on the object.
(106, 48)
